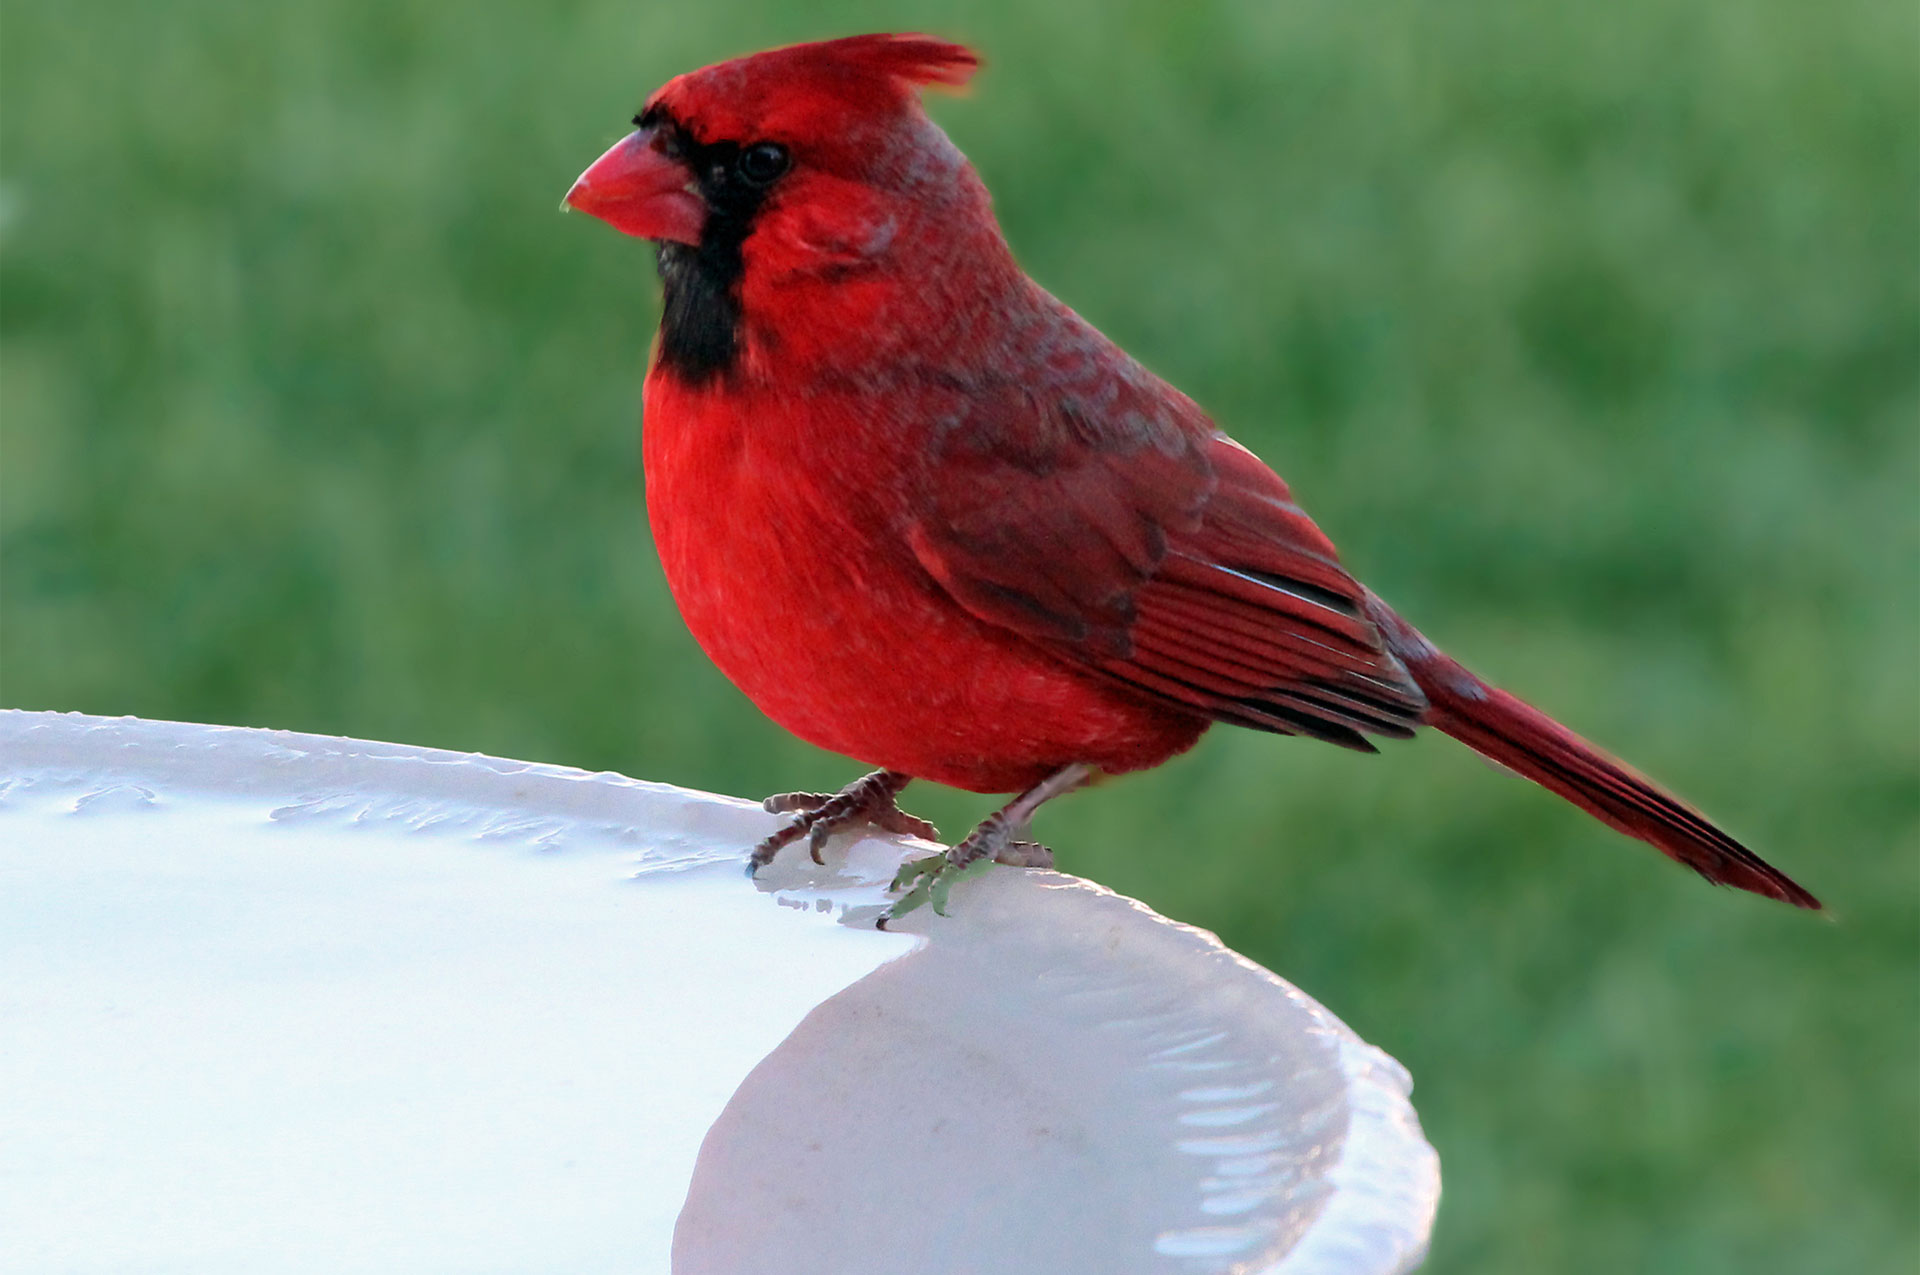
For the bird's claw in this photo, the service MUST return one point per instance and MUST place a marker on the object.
(930, 879)
(868, 800)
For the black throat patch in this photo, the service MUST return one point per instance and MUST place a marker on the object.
(700, 320)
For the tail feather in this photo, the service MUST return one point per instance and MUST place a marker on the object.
(1525, 740)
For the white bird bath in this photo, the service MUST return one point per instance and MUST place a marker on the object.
(278, 1002)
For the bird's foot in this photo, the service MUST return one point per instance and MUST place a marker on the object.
(931, 879)
(868, 800)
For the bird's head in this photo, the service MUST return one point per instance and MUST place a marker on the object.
(807, 164)
(781, 129)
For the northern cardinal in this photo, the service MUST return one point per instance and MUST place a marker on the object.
(925, 515)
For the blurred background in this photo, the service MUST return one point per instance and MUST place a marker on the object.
(1588, 332)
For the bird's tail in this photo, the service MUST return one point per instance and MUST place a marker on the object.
(1525, 740)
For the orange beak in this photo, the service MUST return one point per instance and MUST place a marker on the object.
(638, 189)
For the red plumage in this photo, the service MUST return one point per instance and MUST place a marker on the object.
(925, 515)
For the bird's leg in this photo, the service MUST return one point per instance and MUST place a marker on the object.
(1000, 838)
(867, 800)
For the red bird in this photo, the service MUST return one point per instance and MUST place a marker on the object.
(925, 515)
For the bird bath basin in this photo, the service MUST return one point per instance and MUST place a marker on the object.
(284, 1002)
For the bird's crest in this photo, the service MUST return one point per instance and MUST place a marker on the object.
(910, 59)
(813, 92)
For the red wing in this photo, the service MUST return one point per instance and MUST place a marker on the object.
(1049, 530)
(1162, 553)
(1251, 619)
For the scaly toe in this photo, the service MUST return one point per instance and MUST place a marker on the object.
(763, 854)
(783, 802)
(903, 824)
(1024, 854)
(817, 840)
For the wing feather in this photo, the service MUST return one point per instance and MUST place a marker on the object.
(1137, 540)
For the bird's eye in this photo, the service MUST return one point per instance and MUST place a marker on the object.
(763, 163)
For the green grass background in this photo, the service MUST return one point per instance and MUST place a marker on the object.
(1588, 331)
